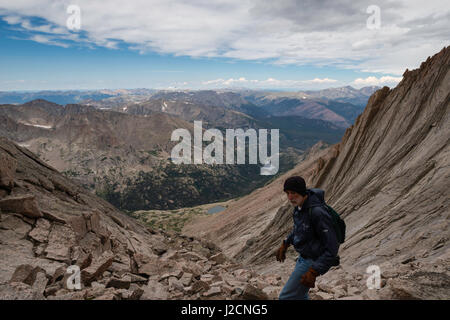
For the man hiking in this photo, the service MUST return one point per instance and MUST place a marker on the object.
(313, 237)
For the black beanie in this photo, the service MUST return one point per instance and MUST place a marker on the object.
(296, 184)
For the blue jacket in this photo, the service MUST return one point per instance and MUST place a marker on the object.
(313, 235)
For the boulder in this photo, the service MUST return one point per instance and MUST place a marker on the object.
(60, 241)
(272, 292)
(213, 291)
(252, 293)
(175, 284)
(84, 260)
(119, 283)
(193, 256)
(17, 291)
(155, 267)
(186, 279)
(8, 167)
(39, 284)
(219, 258)
(78, 224)
(353, 291)
(193, 268)
(154, 291)
(25, 205)
(25, 273)
(137, 279)
(326, 288)
(41, 230)
(159, 248)
(134, 293)
(208, 278)
(199, 286)
(97, 268)
(323, 296)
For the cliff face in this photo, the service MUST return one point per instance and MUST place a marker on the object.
(389, 179)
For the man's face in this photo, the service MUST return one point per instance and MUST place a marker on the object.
(295, 198)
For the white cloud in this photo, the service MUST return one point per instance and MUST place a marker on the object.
(317, 80)
(374, 81)
(267, 83)
(47, 40)
(286, 32)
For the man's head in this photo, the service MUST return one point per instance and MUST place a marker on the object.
(295, 188)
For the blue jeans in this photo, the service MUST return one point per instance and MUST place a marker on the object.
(293, 289)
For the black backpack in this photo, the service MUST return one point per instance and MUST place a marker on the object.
(338, 223)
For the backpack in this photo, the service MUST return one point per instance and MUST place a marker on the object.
(338, 223)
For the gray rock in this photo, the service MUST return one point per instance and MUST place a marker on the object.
(213, 291)
(60, 241)
(186, 279)
(25, 205)
(97, 268)
(219, 258)
(199, 286)
(7, 171)
(272, 292)
(175, 284)
(154, 291)
(40, 231)
(119, 283)
(252, 293)
(24, 273)
(17, 291)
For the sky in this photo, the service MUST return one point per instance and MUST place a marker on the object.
(210, 44)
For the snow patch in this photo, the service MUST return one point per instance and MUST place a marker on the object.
(36, 125)
(25, 145)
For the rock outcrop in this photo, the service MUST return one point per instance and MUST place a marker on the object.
(50, 227)
(389, 179)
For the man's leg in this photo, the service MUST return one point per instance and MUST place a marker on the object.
(293, 289)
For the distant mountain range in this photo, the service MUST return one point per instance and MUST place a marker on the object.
(125, 155)
(338, 105)
(69, 96)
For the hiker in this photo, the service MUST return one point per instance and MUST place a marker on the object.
(313, 237)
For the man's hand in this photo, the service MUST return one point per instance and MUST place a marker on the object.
(309, 278)
(281, 252)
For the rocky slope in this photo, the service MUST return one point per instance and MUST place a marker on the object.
(48, 223)
(388, 177)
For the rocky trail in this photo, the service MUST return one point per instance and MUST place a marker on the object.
(48, 223)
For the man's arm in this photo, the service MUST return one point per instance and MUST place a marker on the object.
(324, 229)
(290, 238)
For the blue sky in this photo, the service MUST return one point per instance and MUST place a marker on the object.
(219, 44)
